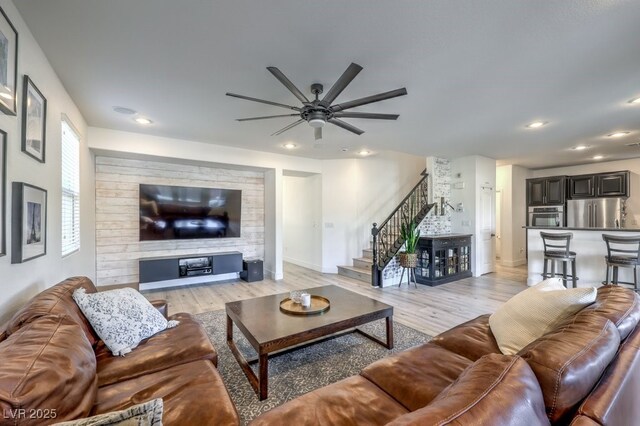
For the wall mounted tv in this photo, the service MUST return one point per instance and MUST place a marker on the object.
(177, 212)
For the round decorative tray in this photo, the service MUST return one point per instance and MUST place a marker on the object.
(319, 305)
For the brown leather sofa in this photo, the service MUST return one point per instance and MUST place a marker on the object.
(53, 367)
(584, 372)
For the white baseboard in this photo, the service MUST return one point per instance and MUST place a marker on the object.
(304, 264)
(513, 263)
(188, 281)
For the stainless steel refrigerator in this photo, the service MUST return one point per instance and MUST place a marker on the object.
(596, 213)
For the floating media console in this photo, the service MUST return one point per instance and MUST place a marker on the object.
(172, 271)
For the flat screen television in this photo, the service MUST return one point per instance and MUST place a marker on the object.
(178, 212)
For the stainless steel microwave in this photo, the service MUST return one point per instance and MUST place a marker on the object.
(550, 216)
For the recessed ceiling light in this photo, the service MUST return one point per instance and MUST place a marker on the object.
(617, 134)
(142, 120)
(363, 152)
(536, 124)
(124, 110)
(345, 149)
(580, 147)
(289, 145)
(598, 157)
(635, 101)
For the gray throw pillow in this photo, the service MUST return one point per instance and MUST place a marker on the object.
(122, 318)
(145, 414)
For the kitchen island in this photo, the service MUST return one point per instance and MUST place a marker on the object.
(590, 251)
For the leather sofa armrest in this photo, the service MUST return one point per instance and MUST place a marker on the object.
(161, 305)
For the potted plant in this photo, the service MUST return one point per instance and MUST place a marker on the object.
(410, 233)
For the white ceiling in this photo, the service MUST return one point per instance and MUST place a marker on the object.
(476, 71)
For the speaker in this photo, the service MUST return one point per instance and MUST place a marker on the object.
(252, 270)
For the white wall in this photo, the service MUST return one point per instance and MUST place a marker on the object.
(273, 256)
(339, 212)
(519, 176)
(21, 281)
(355, 194)
(633, 165)
(302, 220)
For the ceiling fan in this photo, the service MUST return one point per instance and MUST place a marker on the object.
(319, 112)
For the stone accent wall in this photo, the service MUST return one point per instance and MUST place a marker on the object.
(432, 223)
(118, 246)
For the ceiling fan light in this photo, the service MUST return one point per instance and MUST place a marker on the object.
(316, 122)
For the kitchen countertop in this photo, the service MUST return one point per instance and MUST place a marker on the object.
(440, 236)
(567, 228)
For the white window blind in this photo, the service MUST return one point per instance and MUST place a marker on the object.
(70, 189)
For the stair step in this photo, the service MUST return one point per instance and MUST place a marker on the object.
(367, 253)
(360, 274)
(362, 262)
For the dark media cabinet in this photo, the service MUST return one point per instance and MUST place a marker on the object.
(164, 268)
(443, 258)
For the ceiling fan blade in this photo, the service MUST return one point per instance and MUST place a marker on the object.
(346, 126)
(268, 116)
(288, 84)
(263, 101)
(284, 129)
(369, 99)
(366, 115)
(317, 132)
(340, 85)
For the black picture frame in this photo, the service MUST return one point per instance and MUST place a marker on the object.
(8, 65)
(3, 193)
(28, 222)
(34, 120)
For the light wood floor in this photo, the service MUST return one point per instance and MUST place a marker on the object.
(431, 310)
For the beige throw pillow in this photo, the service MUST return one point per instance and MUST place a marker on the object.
(532, 313)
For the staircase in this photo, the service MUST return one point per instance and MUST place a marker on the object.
(361, 268)
(386, 240)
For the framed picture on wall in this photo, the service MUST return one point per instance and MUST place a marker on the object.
(34, 118)
(8, 65)
(3, 192)
(28, 222)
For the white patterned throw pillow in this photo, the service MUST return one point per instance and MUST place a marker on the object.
(532, 313)
(122, 318)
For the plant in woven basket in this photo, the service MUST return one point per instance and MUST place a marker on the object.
(410, 233)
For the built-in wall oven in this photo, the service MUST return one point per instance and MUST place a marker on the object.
(549, 216)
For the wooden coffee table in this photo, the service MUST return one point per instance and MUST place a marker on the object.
(271, 331)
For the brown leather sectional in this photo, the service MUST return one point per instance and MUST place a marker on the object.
(584, 372)
(53, 367)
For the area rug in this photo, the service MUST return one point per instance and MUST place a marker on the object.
(300, 371)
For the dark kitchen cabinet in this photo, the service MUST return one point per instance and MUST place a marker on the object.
(612, 184)
(583, 186)
(548, 191)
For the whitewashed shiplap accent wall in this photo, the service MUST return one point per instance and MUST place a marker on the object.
(117, 214)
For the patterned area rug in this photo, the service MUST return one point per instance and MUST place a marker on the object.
(303, 370)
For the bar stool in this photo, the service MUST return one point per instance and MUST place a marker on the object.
(556, 248)
(622, 252)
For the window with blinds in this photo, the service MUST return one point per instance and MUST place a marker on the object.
(70, 189)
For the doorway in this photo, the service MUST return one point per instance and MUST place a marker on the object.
(486, 234)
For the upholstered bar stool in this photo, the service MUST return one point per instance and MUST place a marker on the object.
(622, 252)
(556, 249)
